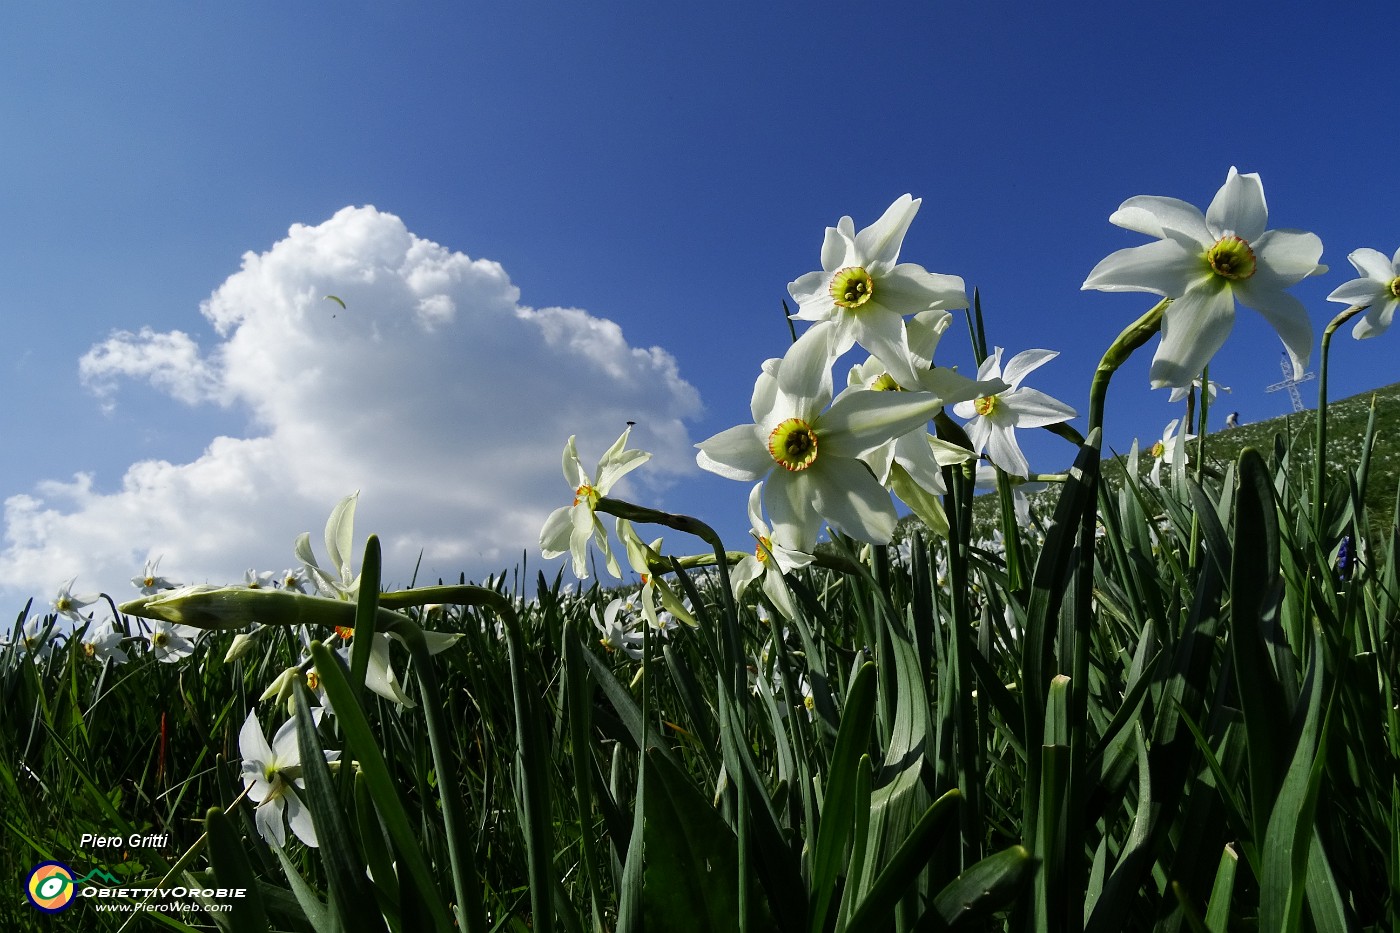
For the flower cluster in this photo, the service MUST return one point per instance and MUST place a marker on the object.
(818, 457)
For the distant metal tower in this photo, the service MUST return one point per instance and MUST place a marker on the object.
(1291, 384)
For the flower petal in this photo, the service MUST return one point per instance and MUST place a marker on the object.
(1287, 316)
(881, 331)
(1239, 207)
(1024, 363)
(765, 391)
(299, 818)
(788, 499)
(1194, 327)
(1358, 292)
(979, 432)
(756, 509)
(848, 497)
(1005, 452)
(777, 591)
(1153, 215)
(268, 817)
(1373, 264)
(914, 456)
(838, 247)
(909, 288)
(251, 743)
(813, 296)
(554, 536)
(862, 420)
(574, 473)
(743, 573)
(612, 469)
(804, 374)
(741, 453)
(1288, 256)
(925, 330)
(1376, 321)
(1161, 268)
(954, 387)
(284, 745)
(879, 243)
(1035, 409)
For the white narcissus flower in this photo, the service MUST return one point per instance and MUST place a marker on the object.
(170, 642)
(340, 539)
(1212, 388)
(257, 579)
(66, 604)
(150, 581)
(380, 676)
(617, 634)
(769, 561)
(808, 453)
(101, 642)
(1378, 289)
(865, 292)
(1167, 450)
(911, 466)
(570, 527)
(995, 418)
(272, 774)
(36, 637)
(1203, 262)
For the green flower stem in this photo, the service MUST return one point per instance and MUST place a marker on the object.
(1319, 455)
(693, 526)
(531, 756)
(1133, 336)
(737, 692)
(466, 882)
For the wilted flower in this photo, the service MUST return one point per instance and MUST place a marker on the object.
(654, 590)
(995, 418)
(569, 528)
(1203, 263)
(272, 774)
(1378, 289)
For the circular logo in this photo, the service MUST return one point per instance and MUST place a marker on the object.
(50, 887)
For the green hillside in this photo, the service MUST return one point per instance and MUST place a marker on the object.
(1346, 432)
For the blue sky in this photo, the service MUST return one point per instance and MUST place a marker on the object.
(642, 176)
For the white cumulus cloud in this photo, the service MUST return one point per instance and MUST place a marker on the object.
(432, 390)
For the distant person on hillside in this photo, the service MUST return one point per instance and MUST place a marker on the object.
(1232, 420)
